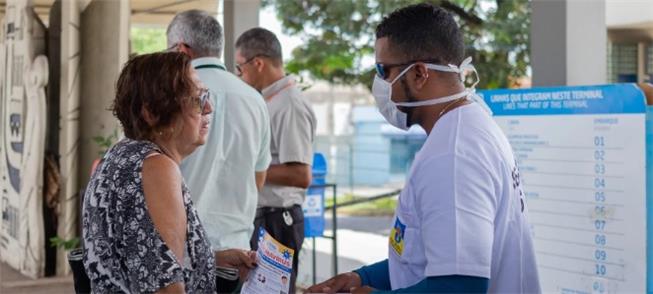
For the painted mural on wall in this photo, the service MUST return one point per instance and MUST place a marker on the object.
(23, 77)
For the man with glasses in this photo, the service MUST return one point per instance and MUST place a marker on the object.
(260, 64)
(225, 174)
(460, 225)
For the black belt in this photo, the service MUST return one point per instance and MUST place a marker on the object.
(261, 211)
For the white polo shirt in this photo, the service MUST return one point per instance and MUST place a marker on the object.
(462, 211)
(220, 174)
(292, 125)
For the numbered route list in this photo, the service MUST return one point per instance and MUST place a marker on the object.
(581, 153)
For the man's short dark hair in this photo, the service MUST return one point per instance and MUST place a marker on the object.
(259, 42)
(423, 32)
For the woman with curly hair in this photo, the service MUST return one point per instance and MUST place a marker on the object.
(141, 233)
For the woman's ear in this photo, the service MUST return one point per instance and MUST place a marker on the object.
(150, 119)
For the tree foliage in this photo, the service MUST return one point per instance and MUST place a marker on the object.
(147, 40)
(339, 36)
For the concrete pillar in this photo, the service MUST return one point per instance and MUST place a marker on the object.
(568, 42)
(641, 62)
(105, 48)
(69, 124)
(239, 16)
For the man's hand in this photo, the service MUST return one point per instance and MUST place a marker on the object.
(340, 283)
(362, 290)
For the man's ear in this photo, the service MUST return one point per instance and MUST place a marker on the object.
(259, 64)
(182, 47)
(421, 75)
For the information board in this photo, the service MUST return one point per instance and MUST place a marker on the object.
(582, 155)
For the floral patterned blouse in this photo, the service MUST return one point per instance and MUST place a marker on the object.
(123, 251)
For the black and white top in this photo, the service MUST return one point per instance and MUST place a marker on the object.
(123, 251)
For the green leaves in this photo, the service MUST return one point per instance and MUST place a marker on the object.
(65, 244)
(148, 40)
(331, 61)
(339, 36)
(105, 142)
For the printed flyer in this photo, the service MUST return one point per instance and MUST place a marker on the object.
(272, 275)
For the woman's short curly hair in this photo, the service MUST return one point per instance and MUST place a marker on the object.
(159, 83)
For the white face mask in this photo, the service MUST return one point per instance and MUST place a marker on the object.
(382, 92)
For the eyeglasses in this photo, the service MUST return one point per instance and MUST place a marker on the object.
(383, 69)
(239, 66)
(201, 100)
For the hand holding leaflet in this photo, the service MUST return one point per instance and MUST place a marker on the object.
(274, 267)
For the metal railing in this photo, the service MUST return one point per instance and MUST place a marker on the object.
(334, 223)
(345, 157)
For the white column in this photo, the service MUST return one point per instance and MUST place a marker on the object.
(239, 16)
(69, 123)
(568, 42)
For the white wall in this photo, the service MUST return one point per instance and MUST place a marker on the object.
(620, 13)
(587, 40)
(568, 42)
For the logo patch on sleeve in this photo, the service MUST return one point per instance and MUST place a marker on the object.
(397, 237)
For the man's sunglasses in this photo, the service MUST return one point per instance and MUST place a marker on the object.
(382, 69)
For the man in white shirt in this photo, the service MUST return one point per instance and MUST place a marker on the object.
(225, 174)
(259, 63)
(460, 225)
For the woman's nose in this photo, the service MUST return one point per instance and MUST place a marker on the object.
(208, 107)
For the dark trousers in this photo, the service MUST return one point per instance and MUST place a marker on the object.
(272, 220)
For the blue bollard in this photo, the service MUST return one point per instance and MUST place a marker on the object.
(313, 206)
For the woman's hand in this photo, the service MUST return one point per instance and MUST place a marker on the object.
(236, 258)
